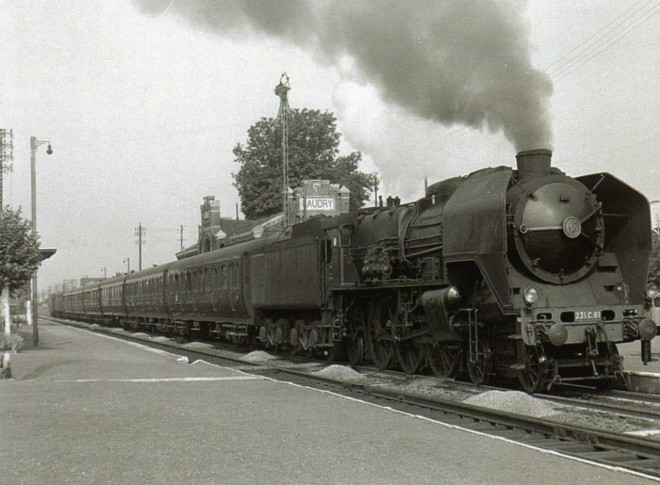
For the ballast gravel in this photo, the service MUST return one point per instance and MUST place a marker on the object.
(258, 356)
(341, 373)
(515, 402)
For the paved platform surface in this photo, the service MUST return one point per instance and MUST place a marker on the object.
(632, 357)
(89, 409)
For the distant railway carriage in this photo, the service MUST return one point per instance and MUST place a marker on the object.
(526, 274)
(112, 300)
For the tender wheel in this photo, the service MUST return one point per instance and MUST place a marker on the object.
(355, 349)
(532, 379)
(337, 352)
(383, 354)
(445, 360)
(480, 368)
(410, 357)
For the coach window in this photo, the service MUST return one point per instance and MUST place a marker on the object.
(208, 280)
(236, 284)
(232, 277)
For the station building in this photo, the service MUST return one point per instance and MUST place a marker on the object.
(314, 198)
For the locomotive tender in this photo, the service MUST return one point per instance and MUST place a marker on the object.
(526, 274)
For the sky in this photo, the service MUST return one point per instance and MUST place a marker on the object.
(143, 101)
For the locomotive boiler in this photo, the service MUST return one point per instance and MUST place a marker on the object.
(524, 274)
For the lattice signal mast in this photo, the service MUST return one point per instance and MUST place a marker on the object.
(6, 157)
(282, 91)
(140, 233)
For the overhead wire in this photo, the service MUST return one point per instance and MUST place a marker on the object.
(605, 38)
(597, 52)
(560, 61)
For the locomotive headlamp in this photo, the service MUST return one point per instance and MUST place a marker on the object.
(530, 296)
(621, 291)
(652, 292)
(452, 295)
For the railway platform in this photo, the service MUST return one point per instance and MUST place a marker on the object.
(642, 378)
(84, 408)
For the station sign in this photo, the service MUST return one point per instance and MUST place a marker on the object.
(310, 204)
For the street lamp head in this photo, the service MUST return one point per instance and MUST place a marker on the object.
(49, 150)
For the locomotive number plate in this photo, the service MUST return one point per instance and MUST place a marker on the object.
(594, 315)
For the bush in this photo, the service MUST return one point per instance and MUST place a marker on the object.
(14, 342)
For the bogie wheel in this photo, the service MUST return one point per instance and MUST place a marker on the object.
(481, 368)
(410, 356)
(532, 378)
(383, 354)
(355, 350)
(445, 360)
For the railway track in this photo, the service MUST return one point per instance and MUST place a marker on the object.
(624, 403)
(637, 454)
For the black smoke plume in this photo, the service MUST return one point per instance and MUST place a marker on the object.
(451, 61)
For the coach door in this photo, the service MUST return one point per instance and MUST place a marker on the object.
(235, 294)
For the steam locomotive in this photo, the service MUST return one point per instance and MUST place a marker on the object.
(524, 274)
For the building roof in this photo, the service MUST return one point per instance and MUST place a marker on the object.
(232, 227)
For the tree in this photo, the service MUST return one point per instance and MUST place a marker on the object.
(654, 264)
(313, 154)
(19, 257)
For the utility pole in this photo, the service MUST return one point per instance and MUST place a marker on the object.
(181, 237)
(282, 91)
(34, 144)
(140, 232)
(6, 156)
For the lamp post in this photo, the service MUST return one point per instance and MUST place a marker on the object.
(657, 217)
(34, 144)
(128, 262)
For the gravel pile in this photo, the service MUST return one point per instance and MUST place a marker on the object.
(140, 335)
(341, 373)
(160, 339)
(258, 356)
(512, 402)
(197, 345)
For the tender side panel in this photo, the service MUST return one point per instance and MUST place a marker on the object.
(287, 276)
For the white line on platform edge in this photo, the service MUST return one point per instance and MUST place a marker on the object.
(248, 376)
(479, 433)
(170, 379)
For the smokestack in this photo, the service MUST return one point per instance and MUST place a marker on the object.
(533, 163)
